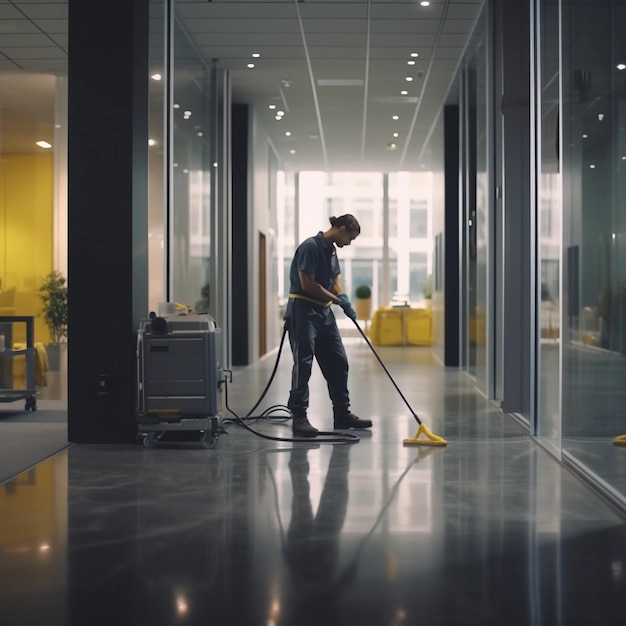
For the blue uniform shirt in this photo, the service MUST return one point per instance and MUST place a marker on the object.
(314, 256)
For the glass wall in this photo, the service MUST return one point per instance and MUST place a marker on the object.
(410, 234)
(29, 206)
(323, 195)
(286, 238)
(594, 225)
(33, 208)
(398, 267)
(180, 165)
(157, 155)
(189, 178)
(548, 220)
(475, 114)
(190, 189)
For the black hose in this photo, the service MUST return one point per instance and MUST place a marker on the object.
(321, 437)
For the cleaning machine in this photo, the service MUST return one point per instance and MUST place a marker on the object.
(178, 377)
(179, 380)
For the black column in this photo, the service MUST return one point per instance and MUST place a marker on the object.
(514, 20)
(107, 162)
(242, 241)
(451, 235)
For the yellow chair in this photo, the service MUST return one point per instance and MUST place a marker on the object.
(401, 326)
(41, 366)
(387, 328)
(418, 327)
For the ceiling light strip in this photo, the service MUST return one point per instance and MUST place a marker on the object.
(312, 79)
(424, 84)
(367, 76)
(283, 98)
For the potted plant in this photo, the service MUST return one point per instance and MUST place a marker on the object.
(427, 291)
(53, 295)
(363, 302)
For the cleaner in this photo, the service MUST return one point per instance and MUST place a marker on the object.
(315, 284)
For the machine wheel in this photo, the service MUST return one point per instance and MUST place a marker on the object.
(150, 440)
(31, 404)
(209, 440)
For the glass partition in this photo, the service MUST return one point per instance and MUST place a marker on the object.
(157, 154)
(409, 263)
(476, 199)
(594, 224)
(410, 235)
(547, 81)
(33, 226)
(323, 195)
(190, 189)
(179, 165)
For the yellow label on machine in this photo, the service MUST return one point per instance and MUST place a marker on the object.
(165, 413)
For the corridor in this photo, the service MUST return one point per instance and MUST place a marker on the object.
(490, 530)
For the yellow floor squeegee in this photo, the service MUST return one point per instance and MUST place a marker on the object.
(423, 436)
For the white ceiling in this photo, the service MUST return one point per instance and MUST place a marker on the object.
(336, 68)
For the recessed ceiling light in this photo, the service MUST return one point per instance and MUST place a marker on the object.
(288, 133)
(152, 142)
(395, 117)
(410, 62)
(424, 3)
(395, 135)
(156, 77)
(621, 66)
(44, 144)
(292, 151)
(392, 146)
(271, 107)
(404, 92)
(250, 65)
(414, 54)
(280, 113)
(256, 55)
(409, 79)
(592, 166)
(279, 117)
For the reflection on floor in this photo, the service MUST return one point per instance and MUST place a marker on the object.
(489, 530)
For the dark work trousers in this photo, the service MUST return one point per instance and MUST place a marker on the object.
(313, 332)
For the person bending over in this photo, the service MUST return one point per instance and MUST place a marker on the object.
(315, 284)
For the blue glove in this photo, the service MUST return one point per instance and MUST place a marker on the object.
(346, 305)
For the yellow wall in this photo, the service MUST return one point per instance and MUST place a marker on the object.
(26, 234)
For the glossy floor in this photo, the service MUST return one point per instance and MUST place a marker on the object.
(488, 530)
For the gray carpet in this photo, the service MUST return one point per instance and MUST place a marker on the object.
(27, 438)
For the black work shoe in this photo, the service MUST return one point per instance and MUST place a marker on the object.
(344, 420)
(301, 427)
